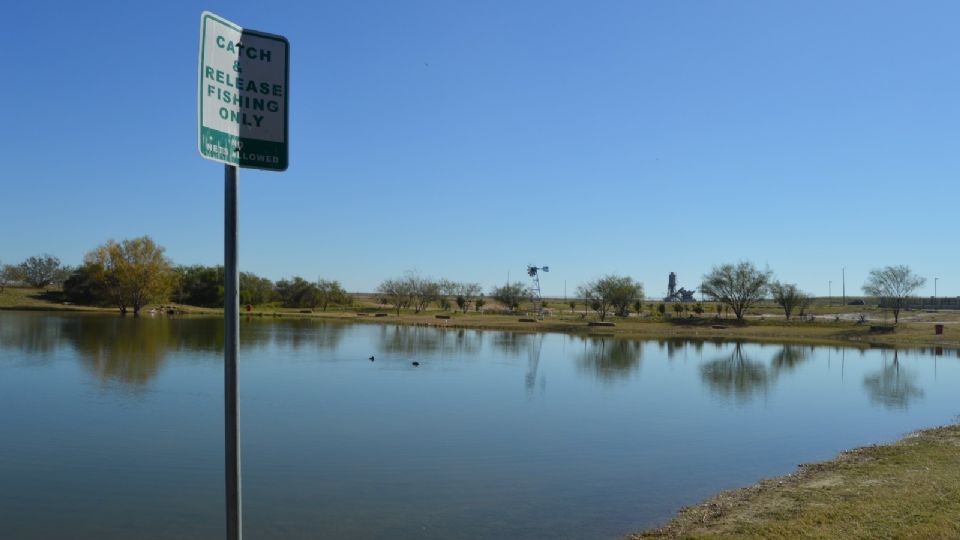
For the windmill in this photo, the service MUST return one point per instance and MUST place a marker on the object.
(534, 273)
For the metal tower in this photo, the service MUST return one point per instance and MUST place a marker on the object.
(534, 273)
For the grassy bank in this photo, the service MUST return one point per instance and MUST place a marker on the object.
(909, 489)
(835, 325)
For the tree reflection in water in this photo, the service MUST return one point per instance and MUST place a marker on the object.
(124, 349)
(610, 358)
(295, 333)
(735, 375)
(31, 334)
(789, 357)
(419, 341)
(892, 387)
(510, 343)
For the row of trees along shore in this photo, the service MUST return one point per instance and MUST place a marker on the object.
(135, 272)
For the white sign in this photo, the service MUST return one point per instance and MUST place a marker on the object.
(244, 95)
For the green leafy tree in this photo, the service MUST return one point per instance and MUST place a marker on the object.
(199, 285)
(84, 288)
(738, 286)
(297, 293)
(511, 294)
(662, 309)
(637, 306)
(698, 309)
(255, 290)
(678, 308)
(41, 271)
(893, 285)
(611, 293)
(479, 303)
(331, 292)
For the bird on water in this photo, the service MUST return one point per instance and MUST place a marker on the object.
(416, 363)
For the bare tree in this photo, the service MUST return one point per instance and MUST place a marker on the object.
(787, 296)
(738, 286)
(396, 292)
(893, 285)
(423, 291)
(467, 293)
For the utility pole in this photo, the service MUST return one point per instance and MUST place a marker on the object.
(844, 285)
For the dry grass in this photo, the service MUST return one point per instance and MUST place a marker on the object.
(909, 489)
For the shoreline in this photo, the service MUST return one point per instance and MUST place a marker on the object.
(759, 329)
(907, 488)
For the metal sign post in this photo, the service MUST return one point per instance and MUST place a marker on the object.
(231, 343)
(242, 111)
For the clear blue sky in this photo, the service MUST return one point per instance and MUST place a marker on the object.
(467, 139)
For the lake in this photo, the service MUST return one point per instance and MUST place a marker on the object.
(112, 427)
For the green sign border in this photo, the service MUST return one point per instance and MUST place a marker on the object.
(225, 140)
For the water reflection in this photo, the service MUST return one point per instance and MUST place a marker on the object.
(510, 343)
(893, 386)
(789, 357)
(133, 351)
(534, 348)
(121, 349)
(293, 333)
(31, 334)
(734, 375)
(420, 341)
(611, 358)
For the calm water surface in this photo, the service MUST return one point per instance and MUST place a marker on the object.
(112, 427)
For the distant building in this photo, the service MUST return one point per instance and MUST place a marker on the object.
(677, 295)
